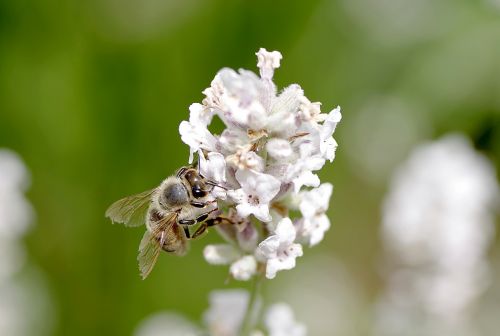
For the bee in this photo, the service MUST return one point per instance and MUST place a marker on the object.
(168, 211)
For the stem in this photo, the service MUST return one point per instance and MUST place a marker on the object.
(251, 314)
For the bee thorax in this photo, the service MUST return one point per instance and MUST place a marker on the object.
(175, 194)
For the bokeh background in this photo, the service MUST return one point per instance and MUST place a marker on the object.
(92, 93)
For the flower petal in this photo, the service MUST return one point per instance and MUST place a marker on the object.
(261, 212)
(285, 230)
(280, 321)
(267, 62)
(221, 254)
(244, 268)
(279, 149)
(269, 247)
(316, 200)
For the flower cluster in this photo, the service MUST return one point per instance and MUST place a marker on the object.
(15, 219)
(438, 221)
(224, 317)
(270, 148)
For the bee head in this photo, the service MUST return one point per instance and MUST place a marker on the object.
(196, 182)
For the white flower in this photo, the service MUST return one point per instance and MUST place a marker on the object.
(280, 321)
(279, 149)
(200, 115)
(214, 169)
(226, 311)
(195, 133)
(244, 268)
(272, 145)
(267, 62)
(232, 139)
(313, 206)
(221, 254)
(328, 145)
(247, 236)
(310, 111)
(257, 190)
(282, 119)
(245, 158)
(279, 250)
(240, 103)
(301, 173)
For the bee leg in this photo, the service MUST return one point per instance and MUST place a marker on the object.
(202, 229)
(187, 222)
(218, 220)
(208, 223)
(186, 231)
(202, 204)
(205, 223)
(198, 204)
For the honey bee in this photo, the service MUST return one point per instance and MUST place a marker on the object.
(180, 201)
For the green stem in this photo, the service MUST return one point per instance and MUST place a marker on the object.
(252, 313)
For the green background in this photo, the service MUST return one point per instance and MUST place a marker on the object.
(92, 93)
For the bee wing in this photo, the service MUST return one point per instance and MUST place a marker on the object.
(149, 250)
(130, 210)
(166, 235)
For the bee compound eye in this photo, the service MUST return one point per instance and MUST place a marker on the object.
(198, 192)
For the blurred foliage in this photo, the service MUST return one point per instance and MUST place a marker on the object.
(92, 92)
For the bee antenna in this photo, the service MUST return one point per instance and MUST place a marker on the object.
(214, 184)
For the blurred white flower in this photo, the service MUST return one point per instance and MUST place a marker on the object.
(247, 236)
(226, 312)
(221, 254)
(279, 250)
(166, 324)
(12, 258)
(15, 211)
(224, 317)
(23, 307)
(243, 268)
(437, 225)
(280, 321)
